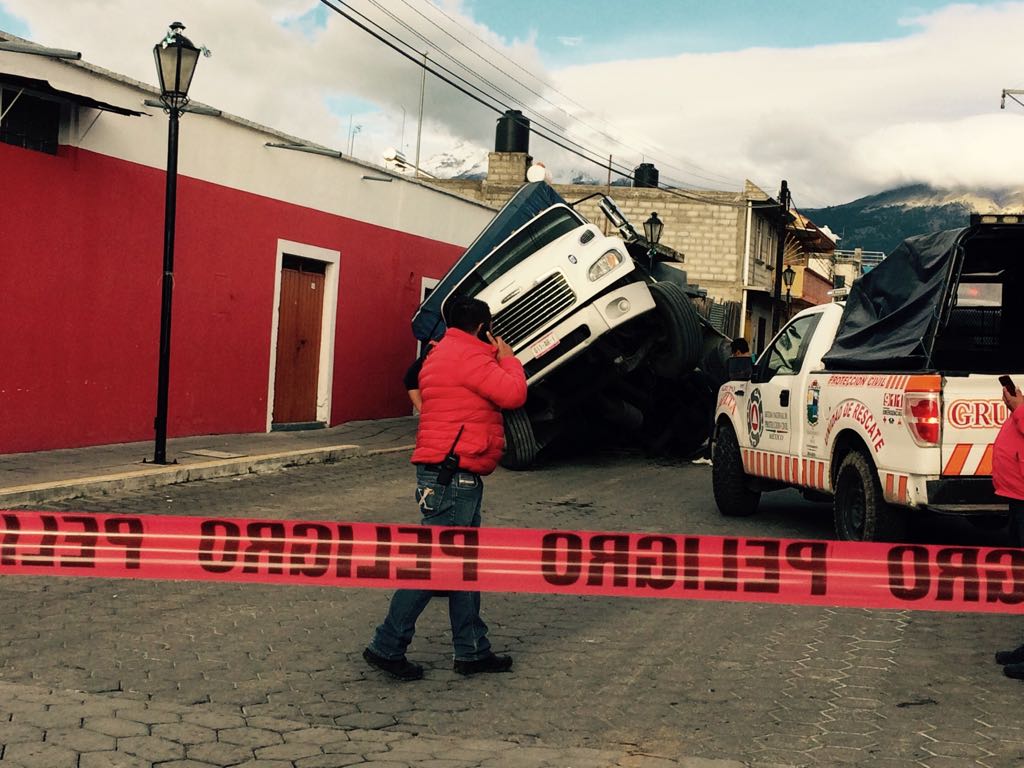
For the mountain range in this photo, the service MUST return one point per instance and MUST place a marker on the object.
(875, 223)
(880, 222)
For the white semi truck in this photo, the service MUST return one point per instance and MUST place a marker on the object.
(603, 324)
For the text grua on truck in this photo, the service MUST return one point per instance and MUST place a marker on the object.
(889, 402)
(603, 325)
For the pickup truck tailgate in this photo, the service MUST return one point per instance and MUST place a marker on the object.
(973, 412)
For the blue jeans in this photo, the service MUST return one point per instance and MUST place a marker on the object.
(457, 504)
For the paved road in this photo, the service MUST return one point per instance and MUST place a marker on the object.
(119, 673)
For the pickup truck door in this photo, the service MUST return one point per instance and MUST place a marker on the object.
(973, 411)
(775, 399)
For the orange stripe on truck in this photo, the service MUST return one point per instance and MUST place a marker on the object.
(985, 467)
(902, 494)
(956, 462)
(924, 384)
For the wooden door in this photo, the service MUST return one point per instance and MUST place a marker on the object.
(297, 373)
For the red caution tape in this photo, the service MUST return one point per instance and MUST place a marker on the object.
(803, 572)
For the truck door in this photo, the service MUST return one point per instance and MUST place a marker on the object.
(776, 399)
(973, 412)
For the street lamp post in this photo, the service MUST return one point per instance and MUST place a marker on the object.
(788, 275)
(176, 59)
(652, 231)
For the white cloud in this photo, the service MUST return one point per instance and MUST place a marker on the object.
(570, 42)
(836, 121)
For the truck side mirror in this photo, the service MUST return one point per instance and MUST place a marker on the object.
(739, 368)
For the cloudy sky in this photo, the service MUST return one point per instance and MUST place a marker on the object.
(841, 98)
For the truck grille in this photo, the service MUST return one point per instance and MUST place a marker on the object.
(536, 307)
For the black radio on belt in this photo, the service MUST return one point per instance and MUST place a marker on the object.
(450, 465)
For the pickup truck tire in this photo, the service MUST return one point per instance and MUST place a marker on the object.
(520, 442)
(728, 480)
(860, 509)
(681, 337)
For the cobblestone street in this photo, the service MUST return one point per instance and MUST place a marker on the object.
(131, 673)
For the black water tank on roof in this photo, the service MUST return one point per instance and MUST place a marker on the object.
(645, 175)
(513, 133)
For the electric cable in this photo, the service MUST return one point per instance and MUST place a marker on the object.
(720, 179)
(541, 134)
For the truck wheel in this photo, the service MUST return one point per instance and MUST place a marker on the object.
(520, 443)
(861, 511)
(681, 338)
(728, 480)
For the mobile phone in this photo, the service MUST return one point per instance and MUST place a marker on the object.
(1007, 382)
(483, 333)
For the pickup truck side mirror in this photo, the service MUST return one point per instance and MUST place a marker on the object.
(739, 368)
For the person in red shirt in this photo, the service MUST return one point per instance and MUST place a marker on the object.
(466, 381)
(1008, 479)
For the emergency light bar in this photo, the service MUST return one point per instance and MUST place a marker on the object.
(996, 218)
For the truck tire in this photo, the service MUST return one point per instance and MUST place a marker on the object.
(681, 337)
(728, 480)
(520, 443)
(860, 509)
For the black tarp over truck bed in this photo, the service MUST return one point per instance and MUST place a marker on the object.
(917, 311)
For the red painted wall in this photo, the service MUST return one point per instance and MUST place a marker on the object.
(80, 268)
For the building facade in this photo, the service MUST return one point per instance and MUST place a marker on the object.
(295, 273)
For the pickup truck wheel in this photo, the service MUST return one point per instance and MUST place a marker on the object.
(728, 480)
(520, 442)
(861, 511)
(680, 333)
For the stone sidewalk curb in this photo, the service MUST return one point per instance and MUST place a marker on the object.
(155, 476)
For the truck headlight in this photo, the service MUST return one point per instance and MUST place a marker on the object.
(608, 261)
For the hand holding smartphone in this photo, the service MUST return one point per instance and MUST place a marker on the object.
(1007, 382)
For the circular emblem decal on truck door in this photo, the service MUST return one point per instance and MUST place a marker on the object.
(755, 417)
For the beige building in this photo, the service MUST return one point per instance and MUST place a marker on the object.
(729, 240)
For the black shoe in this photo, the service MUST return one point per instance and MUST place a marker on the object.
(401, 667)
(1016, 656)
(491, 663)
(1016, 671)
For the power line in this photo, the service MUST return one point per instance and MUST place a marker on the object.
(615, 140)
(555, 126)
(555, 141)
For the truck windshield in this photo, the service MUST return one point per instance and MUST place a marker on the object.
(542, 231)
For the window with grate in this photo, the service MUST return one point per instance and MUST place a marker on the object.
(29, 121)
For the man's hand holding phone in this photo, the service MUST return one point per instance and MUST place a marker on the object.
(503, 350)
(1011, 395)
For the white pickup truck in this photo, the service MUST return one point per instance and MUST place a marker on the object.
(889, 402)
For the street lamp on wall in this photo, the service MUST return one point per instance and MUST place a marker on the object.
(176, 59)
(788, 275)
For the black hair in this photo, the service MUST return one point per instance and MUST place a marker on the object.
(466, 314)
(739, 346)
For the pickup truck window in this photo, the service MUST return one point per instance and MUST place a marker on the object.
(787, 354)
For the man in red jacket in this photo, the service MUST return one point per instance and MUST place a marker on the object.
(1007, 458)
(465, 383)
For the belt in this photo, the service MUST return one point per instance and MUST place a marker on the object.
(435, 468)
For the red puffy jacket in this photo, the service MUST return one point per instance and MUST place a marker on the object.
(464, 384)
(1008, 456)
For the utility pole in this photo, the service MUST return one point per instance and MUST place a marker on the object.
(780, 254)
(419, 129)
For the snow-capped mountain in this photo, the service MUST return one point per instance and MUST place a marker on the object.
(880, 222)
(463, 161)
